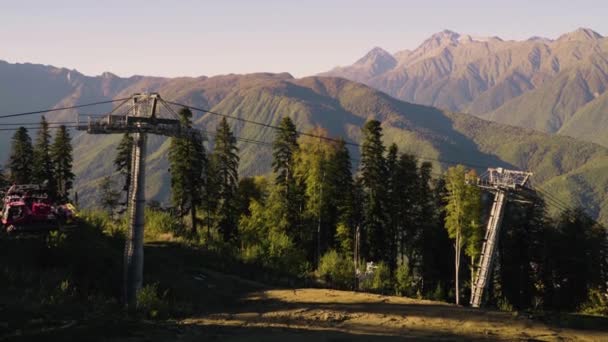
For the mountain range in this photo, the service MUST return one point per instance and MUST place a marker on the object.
(573, 170)
(551, 85)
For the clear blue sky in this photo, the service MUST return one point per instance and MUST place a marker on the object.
(191, 38)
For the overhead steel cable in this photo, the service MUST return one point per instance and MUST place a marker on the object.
(38, 123)
(50, 127)
(61, 108)
(346, 142)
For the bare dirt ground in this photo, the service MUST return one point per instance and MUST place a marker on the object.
(329, 315)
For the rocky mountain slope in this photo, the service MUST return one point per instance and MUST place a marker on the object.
(538, 83)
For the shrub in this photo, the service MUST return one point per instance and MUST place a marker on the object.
(404, 282)
(150, 303)
(337, 270)
(597, 303)
(379, 281)
(160, 222)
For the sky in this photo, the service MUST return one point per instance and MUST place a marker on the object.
(194, 38)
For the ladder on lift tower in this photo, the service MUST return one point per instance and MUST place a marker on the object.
(501, 182)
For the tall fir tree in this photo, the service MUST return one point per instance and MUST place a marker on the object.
(373, 180)
(341, 197)
(61, 158)
(109, 197)
(285, 147)
(21, 157)
(42, 168)
(225, 163)
(394, 197)
(122, 162)
(408, 201)
(188, 166)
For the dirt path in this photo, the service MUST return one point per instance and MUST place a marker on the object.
(328, 315)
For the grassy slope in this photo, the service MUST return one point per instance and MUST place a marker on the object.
(590, 121)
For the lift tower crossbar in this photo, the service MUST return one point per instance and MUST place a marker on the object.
(142, 117)
(502, 183)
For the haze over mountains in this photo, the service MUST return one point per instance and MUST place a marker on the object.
(576, 171)
(555, 86)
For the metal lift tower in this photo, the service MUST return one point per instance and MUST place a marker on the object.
(502, 183)
(141, 116)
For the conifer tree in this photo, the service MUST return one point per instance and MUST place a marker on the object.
(407, 200)
(42, 167)
(373, 180)
(340, 194)
(109, 196)
(225, 163)
(393, 205)
(188, 166)
(61, 158)
(123, 161)
(285, 146)
(21, 157)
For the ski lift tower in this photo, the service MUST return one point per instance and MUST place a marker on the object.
(140, 116)
(503, 183)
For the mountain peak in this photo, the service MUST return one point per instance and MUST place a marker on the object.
(581, 34)
(377, 60)
(445, 37)
(375, 54)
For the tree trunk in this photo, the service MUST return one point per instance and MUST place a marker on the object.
(457, 270)
(472, 272)
(193, 217)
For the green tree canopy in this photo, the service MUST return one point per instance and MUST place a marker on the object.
(373, 176)
(462, 220)
(21, 157)
(225, 163)
(61, 157)
(42, 167)
(122, 161)
(188, 166)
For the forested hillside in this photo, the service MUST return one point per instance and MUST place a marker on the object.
(571, 169)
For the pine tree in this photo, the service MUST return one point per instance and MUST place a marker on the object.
(408, 201)
(109, 196)
(188, 166)
(42, 167)
(21, 157)
(285, 146)
(462, 218)
(373, 180)
(225, 163)
(123, 161)
(340, 194)
(61, 158)
(393, 207)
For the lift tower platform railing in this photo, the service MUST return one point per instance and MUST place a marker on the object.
(141, 116)
(503, 183)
